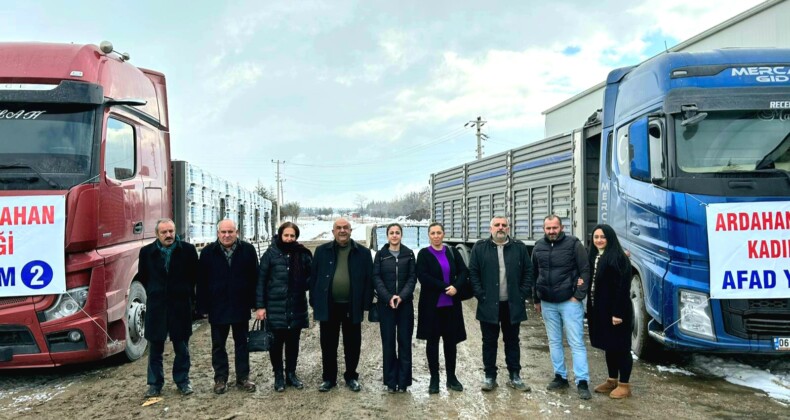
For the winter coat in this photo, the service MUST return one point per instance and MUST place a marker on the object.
(557, 267)
(360, 270)
(285, 301)
(225, 292)
(394, 276)
(610, 298)
(170, 294)
(429, 274)
(484, 275)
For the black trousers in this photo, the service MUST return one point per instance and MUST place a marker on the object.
(288, 338)
(339, 318)
(490, 334)
(397, 326)
(619, 362)
(443, 319)
(181, 364)
(219, 357)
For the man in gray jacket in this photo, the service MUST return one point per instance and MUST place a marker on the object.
(501, 273)
(562, 278)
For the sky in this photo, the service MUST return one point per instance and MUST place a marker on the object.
(363, 100)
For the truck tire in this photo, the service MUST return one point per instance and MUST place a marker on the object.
(135, 322)
(642, 344)
(464, 251)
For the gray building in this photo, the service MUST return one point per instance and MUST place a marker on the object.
(765, 25)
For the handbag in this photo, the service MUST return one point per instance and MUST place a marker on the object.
(259, 338)
(373, 313)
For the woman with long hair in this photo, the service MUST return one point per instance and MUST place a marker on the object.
(394, 280)
(281, 299)
(441, 273)
(609, 311)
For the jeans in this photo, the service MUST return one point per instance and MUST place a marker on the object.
(219, 356)
(490, 334)
(568, 316)
(181, 363)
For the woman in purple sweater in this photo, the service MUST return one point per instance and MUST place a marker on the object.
(441, 272)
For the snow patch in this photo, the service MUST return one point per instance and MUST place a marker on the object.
(773, 378)
(673, 369)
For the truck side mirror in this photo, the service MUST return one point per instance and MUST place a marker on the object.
(639, 150)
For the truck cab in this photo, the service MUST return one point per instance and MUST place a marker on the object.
(81, 123)
(684, 134)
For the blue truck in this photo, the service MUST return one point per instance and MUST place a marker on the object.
(683, 141)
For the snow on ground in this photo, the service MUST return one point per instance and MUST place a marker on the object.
(674, 369)
(772, 376)
(311, 229)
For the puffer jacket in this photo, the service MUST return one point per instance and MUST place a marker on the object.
(556, 268)
(285, 301)
(394, 276)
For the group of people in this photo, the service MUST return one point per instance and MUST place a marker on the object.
(227, 282)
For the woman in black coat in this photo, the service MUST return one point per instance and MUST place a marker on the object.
(441, 273)
(394, 279)
(609, 311)
(281, 299)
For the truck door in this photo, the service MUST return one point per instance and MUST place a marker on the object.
(152, 174)
(121, 209)
(648, 222)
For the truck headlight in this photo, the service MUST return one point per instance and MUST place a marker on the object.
(695, 318)
(67, 304)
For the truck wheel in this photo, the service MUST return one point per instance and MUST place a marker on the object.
(641, 343)
(135, 322)
(464, 251)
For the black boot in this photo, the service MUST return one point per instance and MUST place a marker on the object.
(454, 384)
(279, 382)
(292, 380)
(433, 387)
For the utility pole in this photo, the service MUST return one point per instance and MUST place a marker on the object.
(479, 123)
(279, 180)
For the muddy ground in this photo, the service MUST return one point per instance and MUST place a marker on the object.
(114, 389)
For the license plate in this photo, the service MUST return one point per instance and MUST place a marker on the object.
(782, 343)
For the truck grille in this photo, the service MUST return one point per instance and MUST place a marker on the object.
(18, 338)
(12, 300)
(756, 318)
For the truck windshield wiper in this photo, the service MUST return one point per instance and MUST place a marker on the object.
(768, 160)
(40, 175)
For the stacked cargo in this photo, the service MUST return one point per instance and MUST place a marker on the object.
(201, 200)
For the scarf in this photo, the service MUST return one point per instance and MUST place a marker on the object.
(297, 273)
(167, 251)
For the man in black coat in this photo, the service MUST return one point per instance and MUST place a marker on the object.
(501, 273)
(167, 268)
(340, 291)
(226, 291)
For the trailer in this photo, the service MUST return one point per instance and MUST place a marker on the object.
(689, 162)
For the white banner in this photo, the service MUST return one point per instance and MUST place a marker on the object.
(749, 247)
(32, 230)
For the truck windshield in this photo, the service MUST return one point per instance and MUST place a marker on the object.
(45, 146)
(727, 141)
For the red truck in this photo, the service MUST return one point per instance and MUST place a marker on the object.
(85, 159)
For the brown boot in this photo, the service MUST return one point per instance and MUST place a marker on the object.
(622, 391)
(607, 386)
